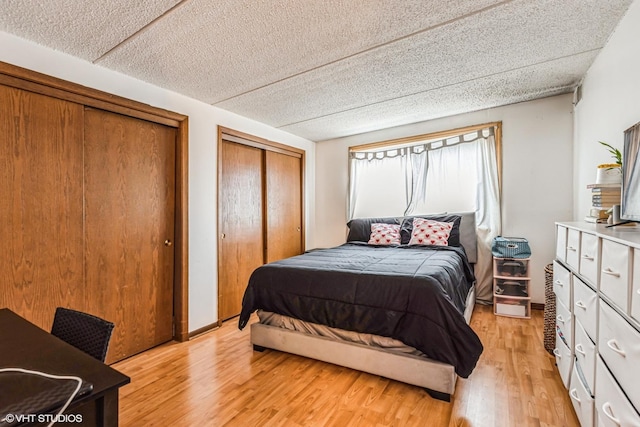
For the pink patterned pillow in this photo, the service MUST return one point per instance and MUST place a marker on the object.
(430, 232)
(384, 234)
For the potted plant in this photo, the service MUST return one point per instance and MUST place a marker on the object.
(610, 173)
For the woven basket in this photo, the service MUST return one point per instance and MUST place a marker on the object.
(549, 310)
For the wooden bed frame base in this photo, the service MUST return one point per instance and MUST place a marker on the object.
(438, 378)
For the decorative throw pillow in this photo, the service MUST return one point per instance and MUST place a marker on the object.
(384, 234)
(430, 232)
(406, 229)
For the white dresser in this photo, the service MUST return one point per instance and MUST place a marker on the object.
(596, 279)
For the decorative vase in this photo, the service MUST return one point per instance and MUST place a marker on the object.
(609, 173)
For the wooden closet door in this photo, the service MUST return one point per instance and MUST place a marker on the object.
(129, 228)
(240, 240)
(40, 205)
(284, 205)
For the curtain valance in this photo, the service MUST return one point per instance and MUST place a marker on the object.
(421, 147)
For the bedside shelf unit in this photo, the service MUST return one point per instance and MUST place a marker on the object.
(511, 279)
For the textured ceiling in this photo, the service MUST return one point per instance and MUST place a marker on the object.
(323, 69)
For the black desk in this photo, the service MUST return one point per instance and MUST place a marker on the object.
(24, 345)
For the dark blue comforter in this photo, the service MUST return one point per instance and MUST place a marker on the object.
(415, 294)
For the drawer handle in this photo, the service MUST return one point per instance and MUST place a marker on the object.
(588, 257)
(574, 395)
(581, 305)
(571, 248)
(606, 408)
(559, 283)
(580, 349)
(556, 352)
(613, 345)
(610, 272)
(560, 318)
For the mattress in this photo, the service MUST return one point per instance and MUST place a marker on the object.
(292, 324)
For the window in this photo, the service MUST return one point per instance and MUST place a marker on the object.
(455, 171)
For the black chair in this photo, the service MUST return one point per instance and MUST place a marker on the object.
(85, 332)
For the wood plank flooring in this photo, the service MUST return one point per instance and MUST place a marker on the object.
(217, 379)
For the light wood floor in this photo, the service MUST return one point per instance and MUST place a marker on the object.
(217, 379)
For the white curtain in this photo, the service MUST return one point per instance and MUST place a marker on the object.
(384, 175)
(457, 174)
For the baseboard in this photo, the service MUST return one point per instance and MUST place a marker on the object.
(205, 329)
(537, 306)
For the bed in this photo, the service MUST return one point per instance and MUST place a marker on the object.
(397, 310)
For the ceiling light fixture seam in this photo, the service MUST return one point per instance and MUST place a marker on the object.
(443, 87)
(370, 49)
(139, 31)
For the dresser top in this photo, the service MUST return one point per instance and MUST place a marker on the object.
(627, 235)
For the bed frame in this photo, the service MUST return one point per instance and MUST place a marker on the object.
(437, 378)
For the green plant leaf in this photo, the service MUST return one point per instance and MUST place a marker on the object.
(615, 153)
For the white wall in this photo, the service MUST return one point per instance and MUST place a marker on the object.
(610, 104)
(203, 122)
(537, 174)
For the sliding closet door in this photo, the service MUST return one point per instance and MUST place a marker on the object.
(284, 205)
(240, 223)
(40, 205)
(129, 228)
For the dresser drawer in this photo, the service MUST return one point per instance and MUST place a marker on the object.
(612, 407)
(585, 307)
(614, 273)
(585, 351)
(573, 249)
(511, 267)
(561, 243)
(562, 284)
(635, 280)
(583, 403)
(619, 347)
(564, 360)
(564, 321)
(589, 257)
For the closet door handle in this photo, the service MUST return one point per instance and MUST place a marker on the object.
(571, 248)
(556, 352)
(559, 318)
(559, 283)
(588, 257)
(613, 345)
(580, 349)
(606, 408)
(610, 272)
(168, 242)
(581, 305)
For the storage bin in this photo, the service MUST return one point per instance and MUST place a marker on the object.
(510, 247)
(583, 403)
(511, 307)
(511, 267)
(564, 360)
(512, 288)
